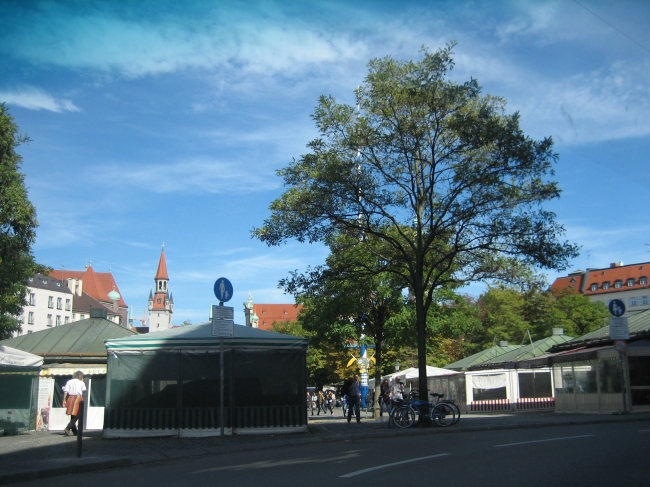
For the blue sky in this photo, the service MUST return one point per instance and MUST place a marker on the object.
(157, 121)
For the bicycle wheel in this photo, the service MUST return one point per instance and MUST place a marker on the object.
(443, 414)
(456, 409)
(403, 416)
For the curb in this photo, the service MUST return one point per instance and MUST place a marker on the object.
(317, 436)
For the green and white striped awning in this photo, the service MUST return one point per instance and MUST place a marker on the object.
(195, 337)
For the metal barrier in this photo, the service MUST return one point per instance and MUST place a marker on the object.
(141, 418)
(528, 403)
(490, 405)
(203, 418)
(270, 416)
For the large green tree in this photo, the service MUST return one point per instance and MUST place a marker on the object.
(17, 228)
(349, 300)
(442, 175)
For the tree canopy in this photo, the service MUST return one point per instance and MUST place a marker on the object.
(441, 175)
(17, 228)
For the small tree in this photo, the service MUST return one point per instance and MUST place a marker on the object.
(441, 175)
(17, 229)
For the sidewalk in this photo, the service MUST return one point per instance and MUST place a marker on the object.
(45, 454)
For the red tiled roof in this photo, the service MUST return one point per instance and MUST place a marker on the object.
(95, 284)
(574, 282)
(162, 298)
(268, 313)
(608, 275)
(613, 274)
(161, 273)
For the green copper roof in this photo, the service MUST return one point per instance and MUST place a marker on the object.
(535, 349)
(480, 357)
(200, 336)
(78, 339)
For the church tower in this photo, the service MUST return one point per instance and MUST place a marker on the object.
(161, 302)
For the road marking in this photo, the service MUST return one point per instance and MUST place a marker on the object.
(542, 441)
(366, 470)
(643, 430)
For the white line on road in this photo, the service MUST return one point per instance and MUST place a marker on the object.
(643, 430)
(541, 441)
(366, 470)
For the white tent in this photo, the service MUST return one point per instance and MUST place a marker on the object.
(17, 358)
(413, 374)
(18, 389)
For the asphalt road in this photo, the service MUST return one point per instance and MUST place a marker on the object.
(586, 455)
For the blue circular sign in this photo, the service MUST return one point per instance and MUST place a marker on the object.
(616, 307)
(223, 289)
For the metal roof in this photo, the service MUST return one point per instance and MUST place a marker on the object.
(83, 338)
(200, 336)
(638, 324)
(480, 357)
(535, 349)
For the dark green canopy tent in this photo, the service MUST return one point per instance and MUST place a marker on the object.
(168, 383)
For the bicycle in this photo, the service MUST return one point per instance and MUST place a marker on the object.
(403, 416)
(440, 400)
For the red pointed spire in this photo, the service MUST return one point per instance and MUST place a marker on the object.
(161, 273)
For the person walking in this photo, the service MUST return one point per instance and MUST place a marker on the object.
(396, 392)
(384, 397)
(329, 399)
(320, 403)
(73, 401)
(354, 398)
(314, 398)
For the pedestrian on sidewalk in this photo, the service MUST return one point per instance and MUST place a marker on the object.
(354, 399)
(397, 392)
(329, 400)
(384, 397)
(73, 401)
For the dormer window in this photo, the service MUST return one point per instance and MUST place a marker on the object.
(594, 287)
(618, 284)
(643, 281)
(605, 285)
(630, 282)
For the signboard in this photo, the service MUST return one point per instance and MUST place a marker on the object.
(620, 345)
(223, 289)
(223, 324)
(618, 329)
(616, 307)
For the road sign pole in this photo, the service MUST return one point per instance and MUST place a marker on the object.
(621, 356)
(221, 387)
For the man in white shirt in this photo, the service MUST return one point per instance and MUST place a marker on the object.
(73, 400)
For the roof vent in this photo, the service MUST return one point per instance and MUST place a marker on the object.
(503, 343)
(99, 313)
(616, 264)
(558, 331)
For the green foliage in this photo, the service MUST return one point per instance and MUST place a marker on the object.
(508, 314)
(439, 174)
(186, 323)
(17, 228)
(325, 363)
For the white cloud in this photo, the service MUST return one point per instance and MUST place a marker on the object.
(201, 175)
(35, 99)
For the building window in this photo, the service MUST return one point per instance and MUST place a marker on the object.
(81, 317)
(643, 281)
(29, 331)
(58, 320)
(74, 316)
(67, 305)
(618, 284)
(32, 299)
(30, 318)
(67, 320)
(49, 320)
(594, 287)
(605, 285)
(50, 302)
(630, 282)
(59, 303)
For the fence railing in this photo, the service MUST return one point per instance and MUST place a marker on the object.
(270, 416)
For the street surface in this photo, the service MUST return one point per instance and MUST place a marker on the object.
(585, 455)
